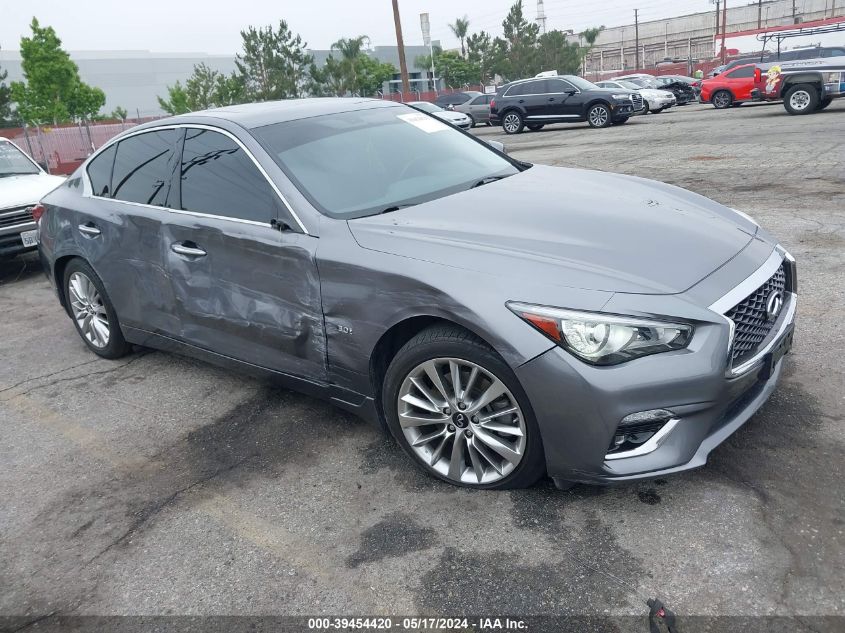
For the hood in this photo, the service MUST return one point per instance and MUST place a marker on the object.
(17, 191)
(655, 93)
(568, 227)
(450, 115)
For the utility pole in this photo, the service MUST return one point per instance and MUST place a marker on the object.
(400, 46)
(793, 11)
(637, 36)
(759, 14)
(724, 29)
(716, 28)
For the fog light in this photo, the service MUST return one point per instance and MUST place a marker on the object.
(643, 417)
(641, 433)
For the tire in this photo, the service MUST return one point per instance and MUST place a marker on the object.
(512, 122)
(658, 111)
(599, 116)
(620, 121)
(824, 103)
(646, 107)
(722, 99)
(801, 99)
(472, 122)
(91, 311)
(534, 127)
(455, 451)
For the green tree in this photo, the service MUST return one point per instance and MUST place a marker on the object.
(52, 92)
(488, 53)
(274, 63)
(460, 29)
(554, 52)
(177, 100)
(5, 100)
(589, 36)
(371, 75)
(351, 51)
(205, 88)
(119, 113)
(520, 36)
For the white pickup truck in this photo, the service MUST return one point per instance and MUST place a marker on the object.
(22, 184)
(805, 85)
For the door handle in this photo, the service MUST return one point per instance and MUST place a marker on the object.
(522, 101)
(89, 229)
(181, 248)
(551, 98)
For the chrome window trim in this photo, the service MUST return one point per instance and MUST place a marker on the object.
(87, 191)
(649, 446)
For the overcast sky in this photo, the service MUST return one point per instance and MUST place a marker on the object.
(211, 26)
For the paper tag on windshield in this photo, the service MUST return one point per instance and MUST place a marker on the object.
(426, 123)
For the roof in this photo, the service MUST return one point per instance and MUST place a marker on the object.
(252, 115)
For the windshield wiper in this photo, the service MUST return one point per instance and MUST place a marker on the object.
(396, 207)
(488, 180)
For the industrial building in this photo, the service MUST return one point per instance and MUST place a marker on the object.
(694, 35)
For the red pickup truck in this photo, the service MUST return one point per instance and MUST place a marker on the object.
(806, 85)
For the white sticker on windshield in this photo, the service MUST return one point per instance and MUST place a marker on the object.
(426, 123)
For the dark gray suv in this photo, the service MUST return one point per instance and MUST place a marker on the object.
(501, 319)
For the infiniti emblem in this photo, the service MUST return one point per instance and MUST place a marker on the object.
(460, 420)
(774, 303)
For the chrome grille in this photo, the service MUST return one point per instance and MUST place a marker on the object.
(750, 320)
(637, 98)
(17, 215)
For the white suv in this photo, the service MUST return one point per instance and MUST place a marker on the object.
(22, 184)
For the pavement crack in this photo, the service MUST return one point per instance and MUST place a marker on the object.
(151, 512)
(33, 622)
(69, 378)
(53, 373)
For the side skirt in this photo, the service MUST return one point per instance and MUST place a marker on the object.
(356, 403)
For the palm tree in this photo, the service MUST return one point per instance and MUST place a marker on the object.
(460, 29)
(350, 49)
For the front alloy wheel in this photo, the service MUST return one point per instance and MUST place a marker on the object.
(458, 410)
(512, 123)
(599, 116)
(461, 420)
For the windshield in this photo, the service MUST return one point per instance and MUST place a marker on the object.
(365, 162)
(425, 106)
(14, 162)
(581, 84)
(643, 82)
(630, 85)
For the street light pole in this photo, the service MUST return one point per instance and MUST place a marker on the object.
(724, 28)
(400, 46)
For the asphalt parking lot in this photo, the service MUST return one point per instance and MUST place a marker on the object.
(161, 485)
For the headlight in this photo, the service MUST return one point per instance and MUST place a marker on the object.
(604, 339)
(624, 97)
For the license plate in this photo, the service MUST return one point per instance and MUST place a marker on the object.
(781, 349)
(30, 238)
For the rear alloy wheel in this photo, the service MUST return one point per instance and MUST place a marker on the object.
(534, 126)
(722, 99)
(457, 409)
(512, 123)
(599, 116)
(801, 99)
(92, 312)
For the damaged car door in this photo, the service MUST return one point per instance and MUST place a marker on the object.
(245, 280)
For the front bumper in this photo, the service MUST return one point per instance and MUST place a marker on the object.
(10, 239)
(578, 407)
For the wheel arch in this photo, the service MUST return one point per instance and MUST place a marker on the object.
(595, 101)
(813, 79)
(59, 267)
(392, 340)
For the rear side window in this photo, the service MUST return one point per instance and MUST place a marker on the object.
(219, 178)
(141, 168)
(99, 172)
(741, 73)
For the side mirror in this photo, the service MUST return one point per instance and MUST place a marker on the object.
(571, 92)
(498, 146)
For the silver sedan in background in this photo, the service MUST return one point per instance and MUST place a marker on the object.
(458, 119)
